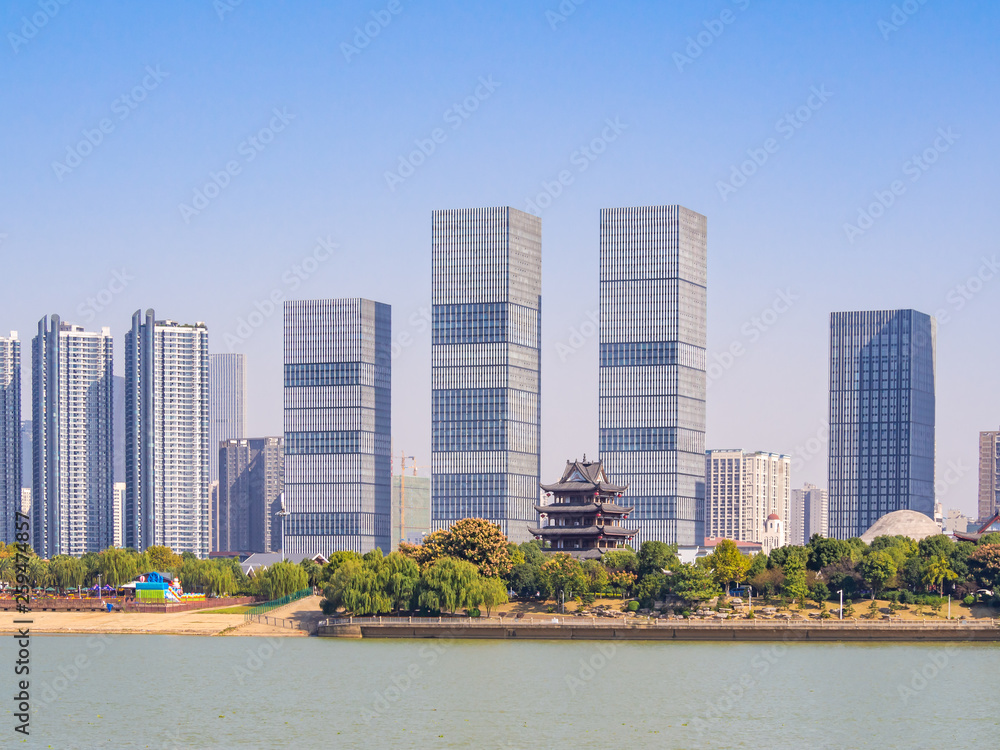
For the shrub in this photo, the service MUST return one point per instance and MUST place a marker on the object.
(969, 600)
(474, 612)
(906, 597)
(891, 596)
(633, 606)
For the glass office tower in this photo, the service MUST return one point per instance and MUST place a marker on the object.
(881, 417)
(10, 435)
(652, 366)
(227, 385)
(338, 375)
(486, 429)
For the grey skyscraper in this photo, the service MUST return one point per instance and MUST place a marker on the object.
(485, 439)
(227, 384)
(250, 487)
(337, 426)
(652, 366)
(72, 418)
(166, 435)
(989, 475)
(10, 435)
(882, 367)
(118, 429)
(809, 514)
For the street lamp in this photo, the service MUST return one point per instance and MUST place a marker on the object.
(841, 592)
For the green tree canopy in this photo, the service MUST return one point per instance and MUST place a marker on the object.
(447, 584)
(728, 564)
(474, 540)
(877, 568)
(693, 584)
(657, 557)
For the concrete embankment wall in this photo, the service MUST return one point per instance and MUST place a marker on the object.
(764, 632)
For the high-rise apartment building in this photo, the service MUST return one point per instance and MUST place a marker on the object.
(742, 490)
(485, 381)
(989, 475)
(808, 514)
(652, 366)
(338, 372)
(250, 487)
(10, 435)
(73, 448)
(118, 515)
(411, 509)
(227, 384)
(166, 435)
(882, 366)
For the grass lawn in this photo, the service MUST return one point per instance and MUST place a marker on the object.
(241, 610)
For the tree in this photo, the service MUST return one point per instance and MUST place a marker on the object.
(991, 538)
(878, 568)
(939, 545)
(446, 584)
(656, 557)
(938, 572)
(651, 587)
(334, 562)
(67, 572)
(281, 579)
(728, 564)
(621, 559)
(819, 592)
(474, 540)
(597, 575)
(161, 559)
(532, 552)
(398, 577)
(769, 581)
(693, 584)
(313, 571)
(795, 578)
(118, 566)
(526, 580)
(824, 552)
(564, 574)
(494, 593)
(985, 565)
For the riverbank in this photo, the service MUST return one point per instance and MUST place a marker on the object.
(573, 628)
(304, 614)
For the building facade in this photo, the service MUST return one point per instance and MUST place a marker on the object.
(338, 374)
(989, 475)
(485, 412)
(73, 446)
(227, 384)
(882, 369)
(742, 490)
(10, 435)
(652, 366)
(411, 509)
(808, 514)
(118, 515)
(249, 495)
(166, 435)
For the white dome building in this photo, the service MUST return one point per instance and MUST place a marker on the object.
(774, 534)
(909, 523)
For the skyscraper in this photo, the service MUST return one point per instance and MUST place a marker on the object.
(338, 374)
(10, 435)
(227, 384)
(166, 435)
(485, 381)
(652, 366)
(882, 367)
(742, 490)
(808, 514)
(250, 487)
(72, 418)
(989, 475)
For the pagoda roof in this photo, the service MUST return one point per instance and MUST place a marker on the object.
(583, 476)
(969, 536)
(563, 508)
(583, 532)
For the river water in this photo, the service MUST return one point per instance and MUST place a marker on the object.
(187, 692)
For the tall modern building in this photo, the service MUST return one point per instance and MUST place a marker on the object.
(118, 515)
(10, 435)
(882, 366)
(808, 514)
(742, 490)
(652, 366)
(338, 374)
(411, 509)
(73, 448)
(989, 475)
(227, 385)
(250, 491)
(166, 435)
(485, 381)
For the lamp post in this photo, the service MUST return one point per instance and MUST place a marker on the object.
(841, 592)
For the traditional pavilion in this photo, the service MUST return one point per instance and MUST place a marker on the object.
(583, 517)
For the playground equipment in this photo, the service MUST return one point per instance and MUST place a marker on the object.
(156, 588)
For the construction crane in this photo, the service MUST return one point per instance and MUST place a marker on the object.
(403, 458)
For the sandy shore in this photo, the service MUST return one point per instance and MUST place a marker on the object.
(197, 622)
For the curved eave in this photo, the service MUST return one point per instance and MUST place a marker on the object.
(581, 531)
(608, 508)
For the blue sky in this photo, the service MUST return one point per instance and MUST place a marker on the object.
(834, 101)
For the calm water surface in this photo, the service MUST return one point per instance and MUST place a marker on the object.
(187, 692)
